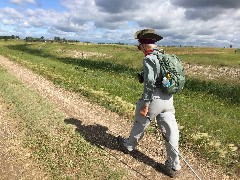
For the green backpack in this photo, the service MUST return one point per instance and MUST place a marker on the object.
(172, 71)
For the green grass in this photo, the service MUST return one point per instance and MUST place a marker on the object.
(64, 152)
(207, 56)
(204, 113)
(209, 111)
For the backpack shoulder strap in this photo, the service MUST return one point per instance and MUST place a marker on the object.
(157, 62)
(157, 65)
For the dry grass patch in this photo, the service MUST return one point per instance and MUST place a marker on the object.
(83, 54)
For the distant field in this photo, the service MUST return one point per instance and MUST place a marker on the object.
(208, 111)
(208, 56)
(129, 55)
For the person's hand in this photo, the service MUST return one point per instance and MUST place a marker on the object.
(144, 111)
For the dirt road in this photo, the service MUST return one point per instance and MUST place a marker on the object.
(140, 165)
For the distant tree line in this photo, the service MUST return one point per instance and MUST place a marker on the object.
(9, 37)
(56, 39)
(41, 39)
(118, 43)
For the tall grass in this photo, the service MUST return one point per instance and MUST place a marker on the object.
(208, 111)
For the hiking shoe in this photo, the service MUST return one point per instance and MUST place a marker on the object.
(167, 170)
(120, 141)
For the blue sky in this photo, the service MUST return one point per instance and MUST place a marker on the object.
(181, 22)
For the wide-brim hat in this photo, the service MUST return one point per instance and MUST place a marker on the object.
(148, 34)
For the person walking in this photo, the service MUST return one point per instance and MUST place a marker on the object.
(155, 104)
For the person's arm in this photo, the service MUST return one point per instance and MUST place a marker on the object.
(149, 83)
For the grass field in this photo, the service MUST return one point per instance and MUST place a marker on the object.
(208, 111)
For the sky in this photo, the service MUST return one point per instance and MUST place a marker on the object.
(211, 23)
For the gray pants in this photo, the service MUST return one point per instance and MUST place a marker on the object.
(162, 108)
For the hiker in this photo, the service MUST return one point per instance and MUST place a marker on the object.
(153, 103)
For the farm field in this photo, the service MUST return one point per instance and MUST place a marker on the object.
(207, 110)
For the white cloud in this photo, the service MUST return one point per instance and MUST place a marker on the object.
(179, 22)
(11, 12)
(22, 2)
(8, 22)
(41, 17)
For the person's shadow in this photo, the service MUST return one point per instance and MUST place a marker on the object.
(97, 135)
